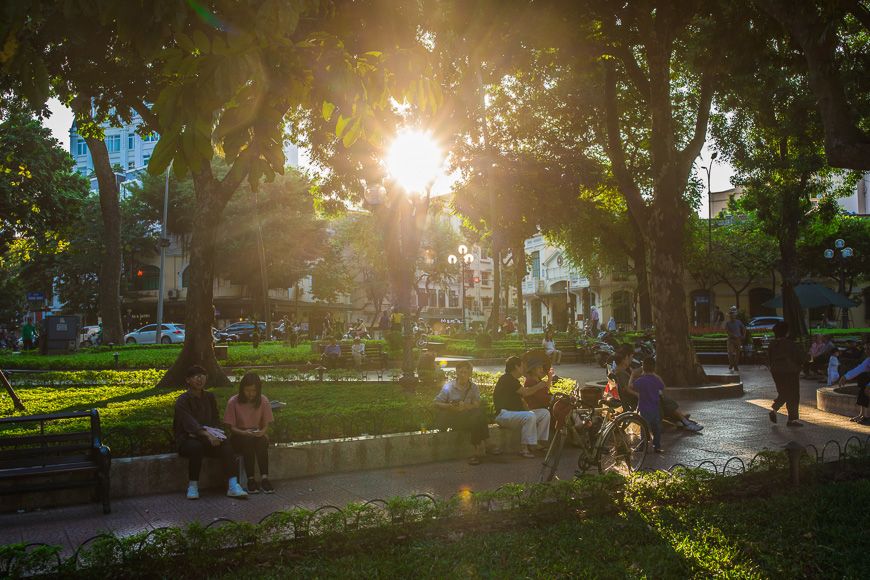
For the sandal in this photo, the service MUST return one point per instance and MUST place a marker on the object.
(475, 460)
(494, 450)
(527, 454)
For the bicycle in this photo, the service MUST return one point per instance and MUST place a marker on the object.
(622, 438)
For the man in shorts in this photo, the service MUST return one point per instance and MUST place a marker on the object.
(735, 331)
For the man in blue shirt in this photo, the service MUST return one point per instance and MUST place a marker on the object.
(647, 387)
(331, 354)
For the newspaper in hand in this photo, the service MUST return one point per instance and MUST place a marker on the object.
(217, 433)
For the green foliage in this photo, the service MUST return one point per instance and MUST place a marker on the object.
(39, 191)
(483, 340)
(394, 340)
(689, 524)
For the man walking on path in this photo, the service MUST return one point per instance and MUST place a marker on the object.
(384, 324)
(735, 331)
(594, 321)
(27, 333)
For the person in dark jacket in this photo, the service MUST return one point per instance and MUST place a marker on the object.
(196, 425)
(786, 360)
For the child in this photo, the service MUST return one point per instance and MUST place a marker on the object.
(647, 389)
(833, 368)
(248, 414)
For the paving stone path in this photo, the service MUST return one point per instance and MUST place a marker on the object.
(737, 426)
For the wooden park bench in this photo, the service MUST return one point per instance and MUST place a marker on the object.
(375, 358)
(38, 461)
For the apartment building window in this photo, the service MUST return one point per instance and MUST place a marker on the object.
(536, 313)
(131, 141)
(131, 165)
(485, 278)
(113, 143)
(536, 265)
(145, 159)
(81, 147)
(621, 272)
(151, 138)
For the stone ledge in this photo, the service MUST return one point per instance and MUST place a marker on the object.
(167, 473)
(704, 392)
(830, 401)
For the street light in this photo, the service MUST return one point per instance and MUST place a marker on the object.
(402, 203)
(708, 168)
(464, 259)
(841, 253)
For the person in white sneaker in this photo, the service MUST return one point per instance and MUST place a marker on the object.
(196, 426)
(248, 414)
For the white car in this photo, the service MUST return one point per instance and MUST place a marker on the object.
(763, 323)
(170, 334)
(88, 336)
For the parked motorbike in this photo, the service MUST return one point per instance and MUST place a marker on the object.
(421, 336)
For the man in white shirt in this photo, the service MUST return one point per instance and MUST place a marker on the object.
(358, 350)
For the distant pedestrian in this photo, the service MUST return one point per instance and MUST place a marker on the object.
(735, 331)
(594, 321)
(28, 331)
(384, 324)
(833, 367)
(786, 360)
(718, 317)
(647, 387)
(128, 322)
(611, 325)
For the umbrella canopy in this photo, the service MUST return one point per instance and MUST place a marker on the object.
(813, 295)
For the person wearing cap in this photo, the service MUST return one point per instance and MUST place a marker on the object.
(509, 327)
(458, 406)
(511, 412)
(358, 350)
(735, 331)
(538, 372)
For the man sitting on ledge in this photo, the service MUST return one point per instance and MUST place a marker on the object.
(458, 406)
(197, 434)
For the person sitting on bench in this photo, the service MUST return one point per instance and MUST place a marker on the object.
(331, 354)
(196, 426)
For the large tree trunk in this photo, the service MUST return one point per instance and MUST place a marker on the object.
(211, 199)
(110, 267)
(677, 364)
(645, 318)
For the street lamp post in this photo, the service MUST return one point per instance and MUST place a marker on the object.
(841, 253)
(465, 258)
(708, 168)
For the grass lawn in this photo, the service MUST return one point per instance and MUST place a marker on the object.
(130, 401)
(820, 531)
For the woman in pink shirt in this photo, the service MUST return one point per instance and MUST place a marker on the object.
(248, 414)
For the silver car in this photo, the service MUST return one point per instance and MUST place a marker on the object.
(170, 334)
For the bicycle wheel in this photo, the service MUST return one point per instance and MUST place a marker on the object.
(554, 453)
(623, 445)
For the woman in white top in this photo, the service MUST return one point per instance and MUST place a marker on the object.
(549, 344)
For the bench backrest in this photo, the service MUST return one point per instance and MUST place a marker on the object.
(41, 448)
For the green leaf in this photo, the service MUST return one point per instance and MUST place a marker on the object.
(328, 108)
(340, 125)
(201, 41)
(185, 42)
(352, 135)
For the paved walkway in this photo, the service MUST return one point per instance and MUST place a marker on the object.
(736, 426)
